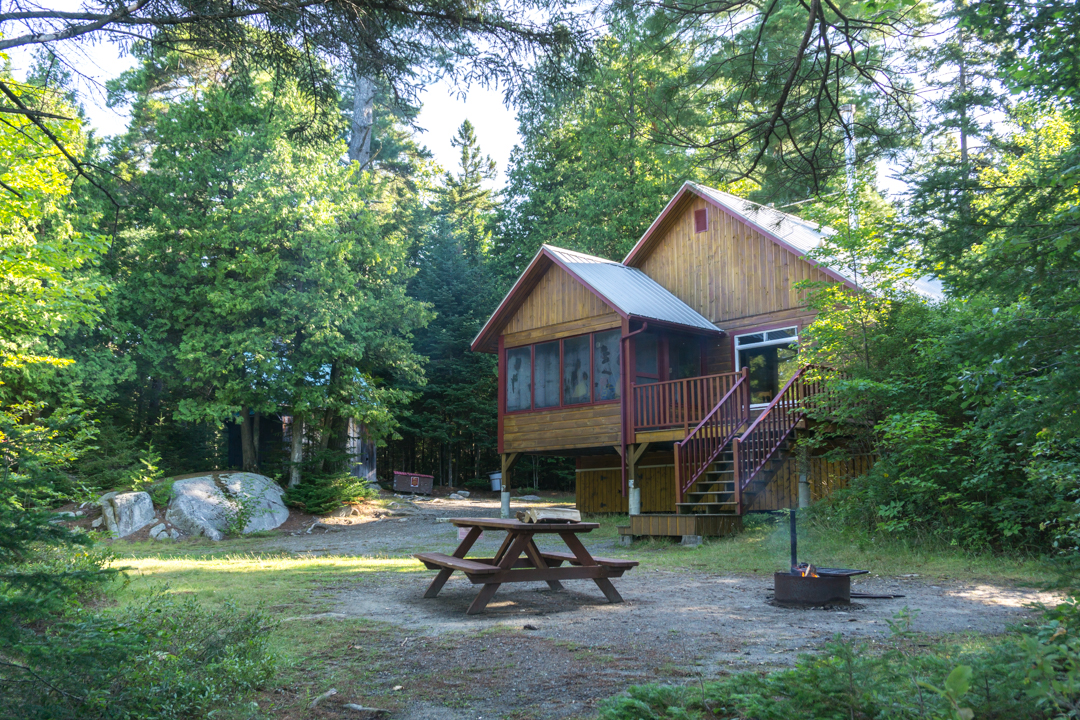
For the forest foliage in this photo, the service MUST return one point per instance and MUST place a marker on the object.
(266, 239)
(226, 263)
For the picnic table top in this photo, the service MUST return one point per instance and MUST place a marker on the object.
(511, 524)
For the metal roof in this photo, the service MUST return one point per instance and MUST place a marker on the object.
(628, 289)
(800, 234)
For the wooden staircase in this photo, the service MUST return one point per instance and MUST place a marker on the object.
(723, 464)
(714, 493)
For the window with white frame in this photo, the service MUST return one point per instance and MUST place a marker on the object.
(771, 359)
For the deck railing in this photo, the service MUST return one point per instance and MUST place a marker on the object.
(697, 451)
(754, 448)
(678, 403)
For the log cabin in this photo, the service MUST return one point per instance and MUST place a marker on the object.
(672, 377)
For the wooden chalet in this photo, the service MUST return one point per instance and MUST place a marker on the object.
(673, 377)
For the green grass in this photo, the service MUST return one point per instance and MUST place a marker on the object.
(764, 547)
(251, 579)
(356, 655)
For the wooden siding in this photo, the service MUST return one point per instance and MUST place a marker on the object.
(677, 525)
(728, 272)
(720, 355)
(825, 477)
(599, 484)
(608, 321)
(587, 426)
(557, 298)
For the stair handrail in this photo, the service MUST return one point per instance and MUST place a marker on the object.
(697, 451)
(750, 454)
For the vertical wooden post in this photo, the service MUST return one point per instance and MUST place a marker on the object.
(633, 453)
(736, 474)
(508, 462)
(678, 476)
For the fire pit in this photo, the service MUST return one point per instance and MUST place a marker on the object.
(810, 588)
(807, 586)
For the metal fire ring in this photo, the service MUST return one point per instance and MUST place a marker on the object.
(811, 591)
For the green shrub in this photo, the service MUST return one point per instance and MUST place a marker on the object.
(117, 459)
(61, 660)
(1035, 676)
(478, 484)
(160, 660)
(322, 495)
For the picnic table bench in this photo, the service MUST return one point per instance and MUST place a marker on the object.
(520, 560)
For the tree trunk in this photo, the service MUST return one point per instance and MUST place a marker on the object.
(256, 424)
(339, 444)
(296, 454)
(363, 120)
(247, 444)
(326, 428)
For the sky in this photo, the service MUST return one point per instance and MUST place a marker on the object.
(442, 113)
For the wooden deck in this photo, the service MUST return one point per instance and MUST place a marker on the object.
(659, 436)
(679, 525)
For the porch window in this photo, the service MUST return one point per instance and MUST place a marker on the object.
(684, 357)
(606, 366)
(646, 359)
(574, 371)
(518, 379)
(546, 365)
(771, 359)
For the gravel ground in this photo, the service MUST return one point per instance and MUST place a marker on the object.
(542, 654)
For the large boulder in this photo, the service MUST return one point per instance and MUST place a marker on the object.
(216, 503)
(124, 513)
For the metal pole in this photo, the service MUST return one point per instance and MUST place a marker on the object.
(794, 541)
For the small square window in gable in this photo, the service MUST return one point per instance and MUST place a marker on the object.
(701, 220)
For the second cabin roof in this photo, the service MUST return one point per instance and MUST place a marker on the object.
(626, 290)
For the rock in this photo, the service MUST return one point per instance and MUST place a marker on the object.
(158, 532)
(329, 693)
(690, 540)
(320, 526)
(174, 534)
(97, 523)
(79, 513)
(530, 498)
(345, 511)
(463, 493)
(125, 513)
(66, 514)
(456, 496)
(361, 708)
(209, 504)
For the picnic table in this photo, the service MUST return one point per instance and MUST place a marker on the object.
(520, 560)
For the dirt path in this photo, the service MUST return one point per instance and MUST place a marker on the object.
(541, 654)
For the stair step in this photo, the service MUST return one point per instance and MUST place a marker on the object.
(706, 504)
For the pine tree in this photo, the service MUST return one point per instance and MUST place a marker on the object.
(455, 410)
(256, 275)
